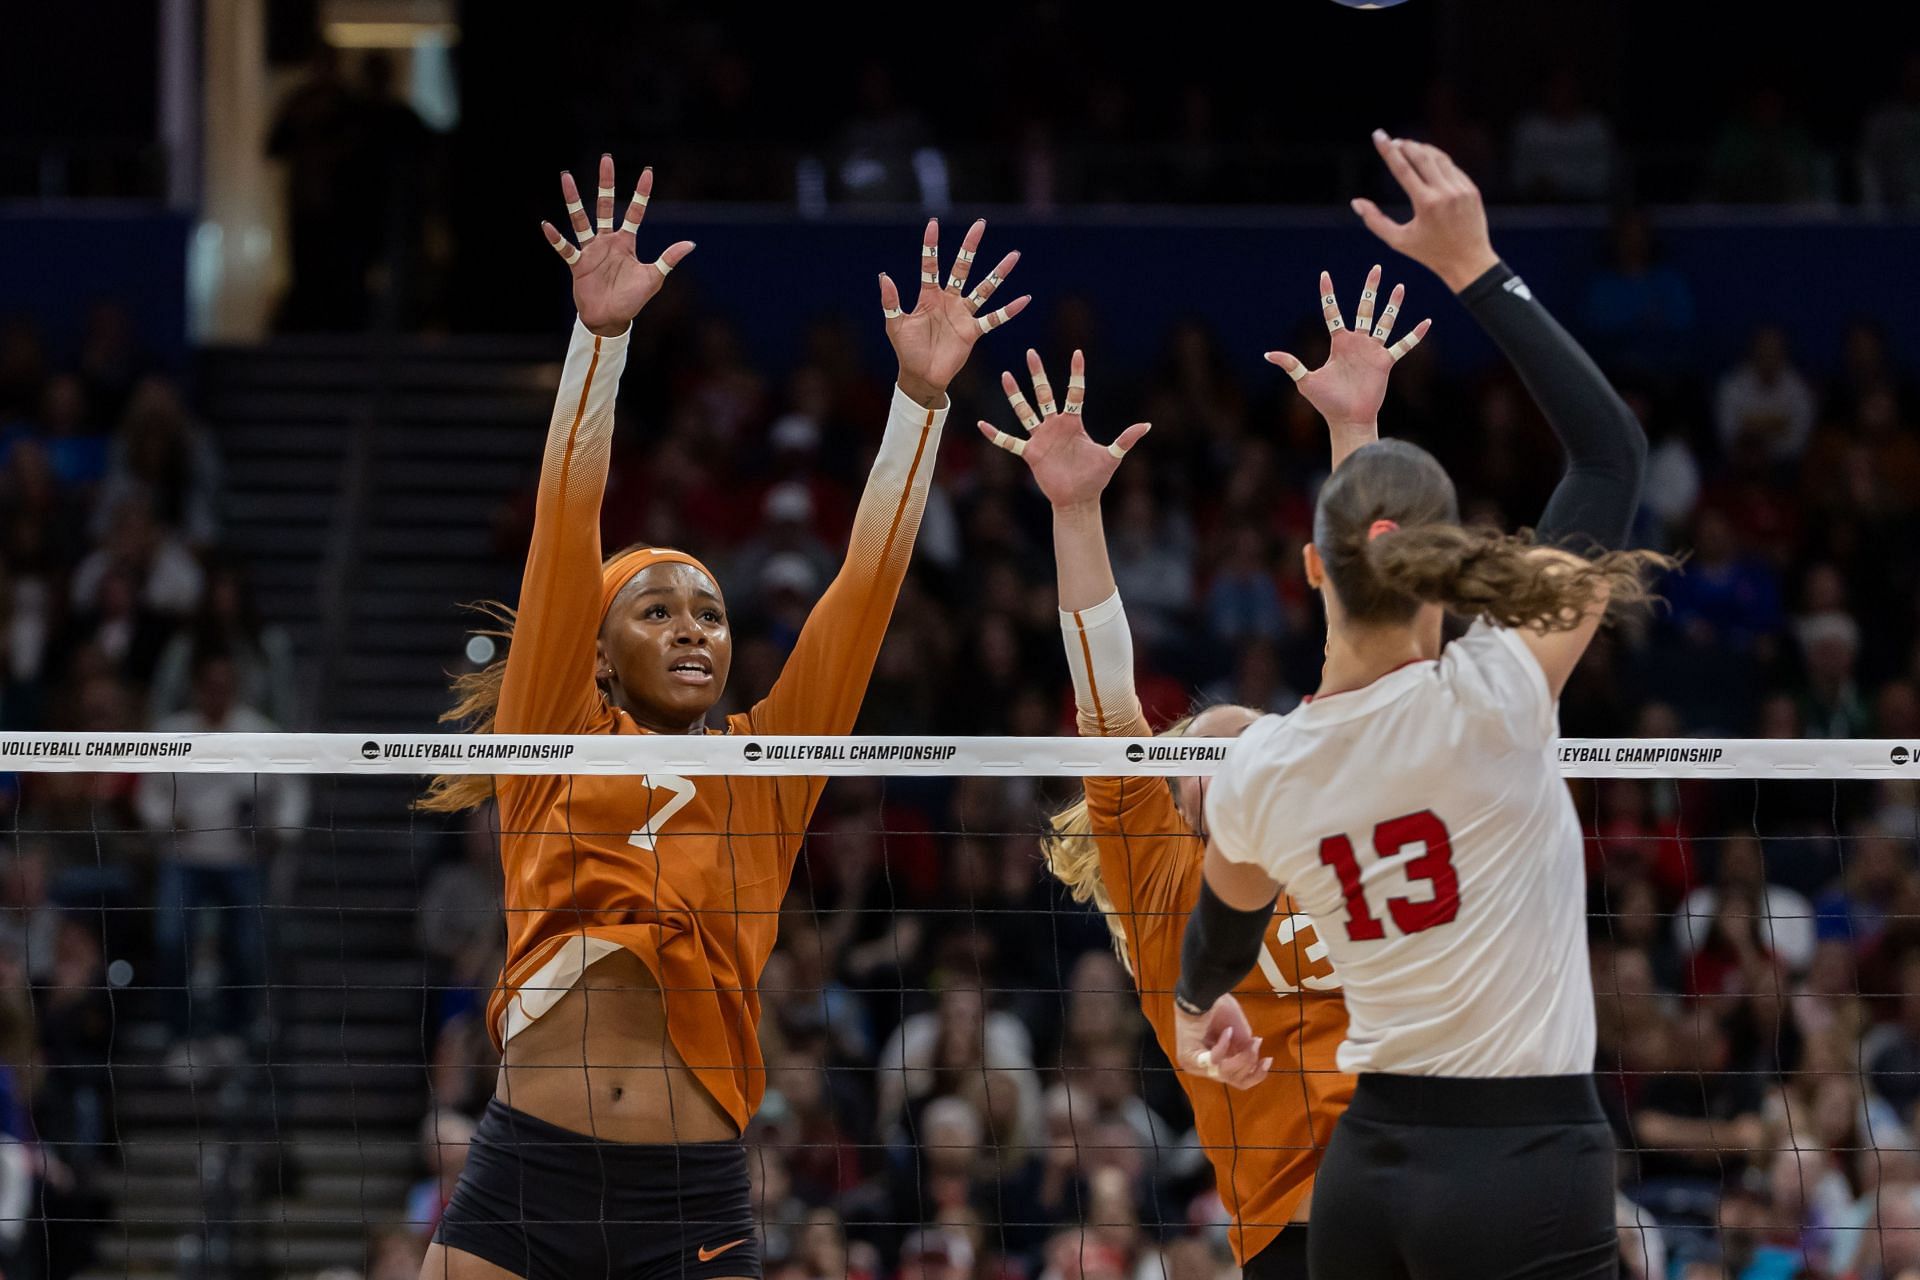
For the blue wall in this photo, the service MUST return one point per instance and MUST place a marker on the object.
(58, 260)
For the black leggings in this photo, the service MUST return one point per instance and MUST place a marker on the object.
(1449, 1179)
(1284, 1258)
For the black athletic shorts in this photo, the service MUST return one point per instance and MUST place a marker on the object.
(550, 1204)
(1453, 1179)
(1284, 1258)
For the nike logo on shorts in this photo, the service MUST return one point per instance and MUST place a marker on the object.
(708, 1255)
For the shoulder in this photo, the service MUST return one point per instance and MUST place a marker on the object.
(1491, 670)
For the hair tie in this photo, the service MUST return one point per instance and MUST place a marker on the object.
(1379, 527)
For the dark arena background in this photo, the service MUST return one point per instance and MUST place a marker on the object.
(279, 343)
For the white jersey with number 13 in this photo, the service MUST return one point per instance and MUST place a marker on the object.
(1423, 824)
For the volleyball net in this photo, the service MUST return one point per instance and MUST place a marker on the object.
(244, 982)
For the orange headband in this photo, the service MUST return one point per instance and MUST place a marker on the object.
(623, 568)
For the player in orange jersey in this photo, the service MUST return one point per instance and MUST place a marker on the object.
(640, 911)
(1134, 846)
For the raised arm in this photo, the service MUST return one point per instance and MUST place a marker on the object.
(1072, 472)
(1350, 387)
(820, 688)
(549, 685)
(1592, 508)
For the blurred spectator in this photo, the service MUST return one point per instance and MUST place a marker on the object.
(885, 154)
(214, 833)
(1763, 155)
(162, 455)
(1831, 705)
(1724, 599)
(316, 132)
(445, 1136)
(166, 577)
(229, 622)
(1716, 920)
(1243, 601)
(1563, 148)
(1639, 314)
(1764, 406)
(1890, 146)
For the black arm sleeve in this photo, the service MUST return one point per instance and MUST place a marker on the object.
(1594, 505)
(1220, 948)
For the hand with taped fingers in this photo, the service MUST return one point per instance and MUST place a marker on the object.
(1448, 231)
(1219, 1045)
(1070, 468)
(934, 338)
(610, 283)
(1350, 387)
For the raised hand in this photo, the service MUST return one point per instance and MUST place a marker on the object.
(1350, 387)
(1069, 467)
(610, 283)
(1448, 231)
(1220, 1045)
(933, 340)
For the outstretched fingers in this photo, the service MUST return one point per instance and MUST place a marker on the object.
(1384, 329)
(667, 261)
(561, 245)
(1363, 318)
(1021, 409)
(1001, 440)
(963, 261)
(637, 206)
(993, 320)
(1129, 438)
(995, 278)
(1042, 388)
(1412, 340)
(1330, 305)
(930, 257)
(889, 297)
(576, 212)
(603, 197)
(1076, 385)
(1294, 369)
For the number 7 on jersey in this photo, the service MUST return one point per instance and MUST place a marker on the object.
(1434, 864)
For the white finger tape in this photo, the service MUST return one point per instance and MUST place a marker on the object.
(984, 290)
(567, 251)
(661, 265)
(1296, 371)
(965, 255)
(1403, 346)
(641, 198)
(1116, 450)
(1073, 407)
(891, 313)
(1328, 302)
(992, 321)
(1368, 295)
(1077, 382)
(1012, 444)
(629, 226)
(1335, 324)
(575, 207)
(929, 277)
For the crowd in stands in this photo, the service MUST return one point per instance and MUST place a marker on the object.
(120, 610)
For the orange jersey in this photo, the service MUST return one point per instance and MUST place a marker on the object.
(1265, 1142)
(686, 873)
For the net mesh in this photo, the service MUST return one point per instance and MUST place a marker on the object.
(245, 1015)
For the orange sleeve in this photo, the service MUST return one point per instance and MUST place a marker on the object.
(549, 686)
(820, 688)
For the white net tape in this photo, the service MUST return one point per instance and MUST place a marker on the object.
(1062, 757)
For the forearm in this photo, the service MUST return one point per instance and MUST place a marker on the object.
(559, 610)
(1595, 502)
(1221, 946)
(1346, 437)
(1080, 556)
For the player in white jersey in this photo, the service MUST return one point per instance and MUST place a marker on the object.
(1413, 807)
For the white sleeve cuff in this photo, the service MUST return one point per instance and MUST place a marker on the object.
(1099, 648)
(910, 413)
(585, 337)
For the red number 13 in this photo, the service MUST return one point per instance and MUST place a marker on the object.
(1434, 864)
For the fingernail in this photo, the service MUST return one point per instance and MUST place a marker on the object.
(1379, 135)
